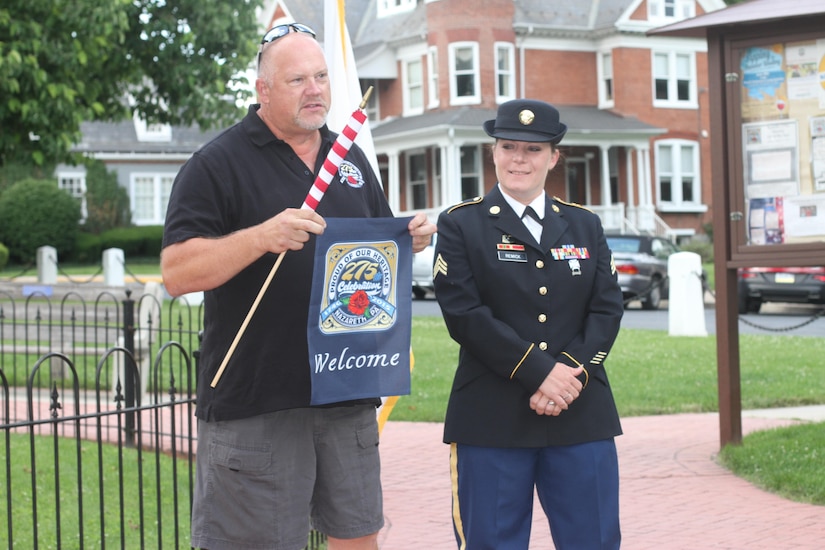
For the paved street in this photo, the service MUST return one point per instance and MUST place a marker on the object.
(781, 319)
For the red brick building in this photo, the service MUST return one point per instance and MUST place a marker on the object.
(637, 149)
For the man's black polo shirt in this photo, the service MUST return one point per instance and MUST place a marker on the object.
(245, 176)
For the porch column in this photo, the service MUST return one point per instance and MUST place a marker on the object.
(452, 174)
(631, 194)
(394, 188)
(648, 179)
(446, 178)
(631, 210)
(646, 215)
(607, 198)
(643, 180)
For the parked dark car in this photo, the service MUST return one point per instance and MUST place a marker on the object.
(800, 285)
(641, 261)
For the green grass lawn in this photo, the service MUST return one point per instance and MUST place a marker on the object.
(786, 461)
(101, 501)
(650, 372)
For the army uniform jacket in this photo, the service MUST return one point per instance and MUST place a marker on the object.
(516, 308)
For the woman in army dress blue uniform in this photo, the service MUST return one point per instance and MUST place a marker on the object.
(528, 288)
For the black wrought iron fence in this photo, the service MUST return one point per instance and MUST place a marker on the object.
(96, 418)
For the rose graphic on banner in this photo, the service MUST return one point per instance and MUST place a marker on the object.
(358, 303)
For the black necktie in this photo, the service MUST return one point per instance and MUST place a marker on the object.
(532, 213)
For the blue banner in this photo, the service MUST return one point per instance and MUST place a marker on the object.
(360, 311)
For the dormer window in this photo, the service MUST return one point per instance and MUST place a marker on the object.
(670, 9)
(152, 132)
(391, 7)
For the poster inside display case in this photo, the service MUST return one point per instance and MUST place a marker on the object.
(783, 141)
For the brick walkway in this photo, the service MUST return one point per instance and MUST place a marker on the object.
(674, 495)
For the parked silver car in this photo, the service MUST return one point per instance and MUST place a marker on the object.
(422, 271)
(641, 261)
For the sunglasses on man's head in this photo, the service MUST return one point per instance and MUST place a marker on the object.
(279, 31)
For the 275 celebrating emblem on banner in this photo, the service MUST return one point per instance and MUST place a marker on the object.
(360, 292)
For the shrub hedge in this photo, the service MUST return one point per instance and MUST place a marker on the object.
(35, 213)
(698, 246)
(4, 256)
(136, 242)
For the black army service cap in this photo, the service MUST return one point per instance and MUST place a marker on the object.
(526, 120)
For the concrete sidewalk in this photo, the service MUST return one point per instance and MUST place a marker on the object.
(674, 495)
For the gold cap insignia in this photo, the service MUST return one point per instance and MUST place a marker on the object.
(526, 117)
(495, 210)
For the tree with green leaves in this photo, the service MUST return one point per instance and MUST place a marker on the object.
(107, 203)
(63, 62)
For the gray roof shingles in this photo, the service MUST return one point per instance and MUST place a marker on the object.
(578, 119)
(121, 137)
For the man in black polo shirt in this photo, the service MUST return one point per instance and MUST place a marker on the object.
(267, 461)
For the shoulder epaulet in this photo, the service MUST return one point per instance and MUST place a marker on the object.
(475, 200)
(573, 204)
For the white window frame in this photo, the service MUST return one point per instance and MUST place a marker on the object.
(74, 183)
(432, 78)
(413, 81)
(605, 68)
(670, 10)
(159, 196)
(673, 77)
(476, 171)
(677, 175)
(372, 108)
(416, 180)
(509, 54)
(391, 7)
(455, 99)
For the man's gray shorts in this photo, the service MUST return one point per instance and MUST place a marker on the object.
(261, 480)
